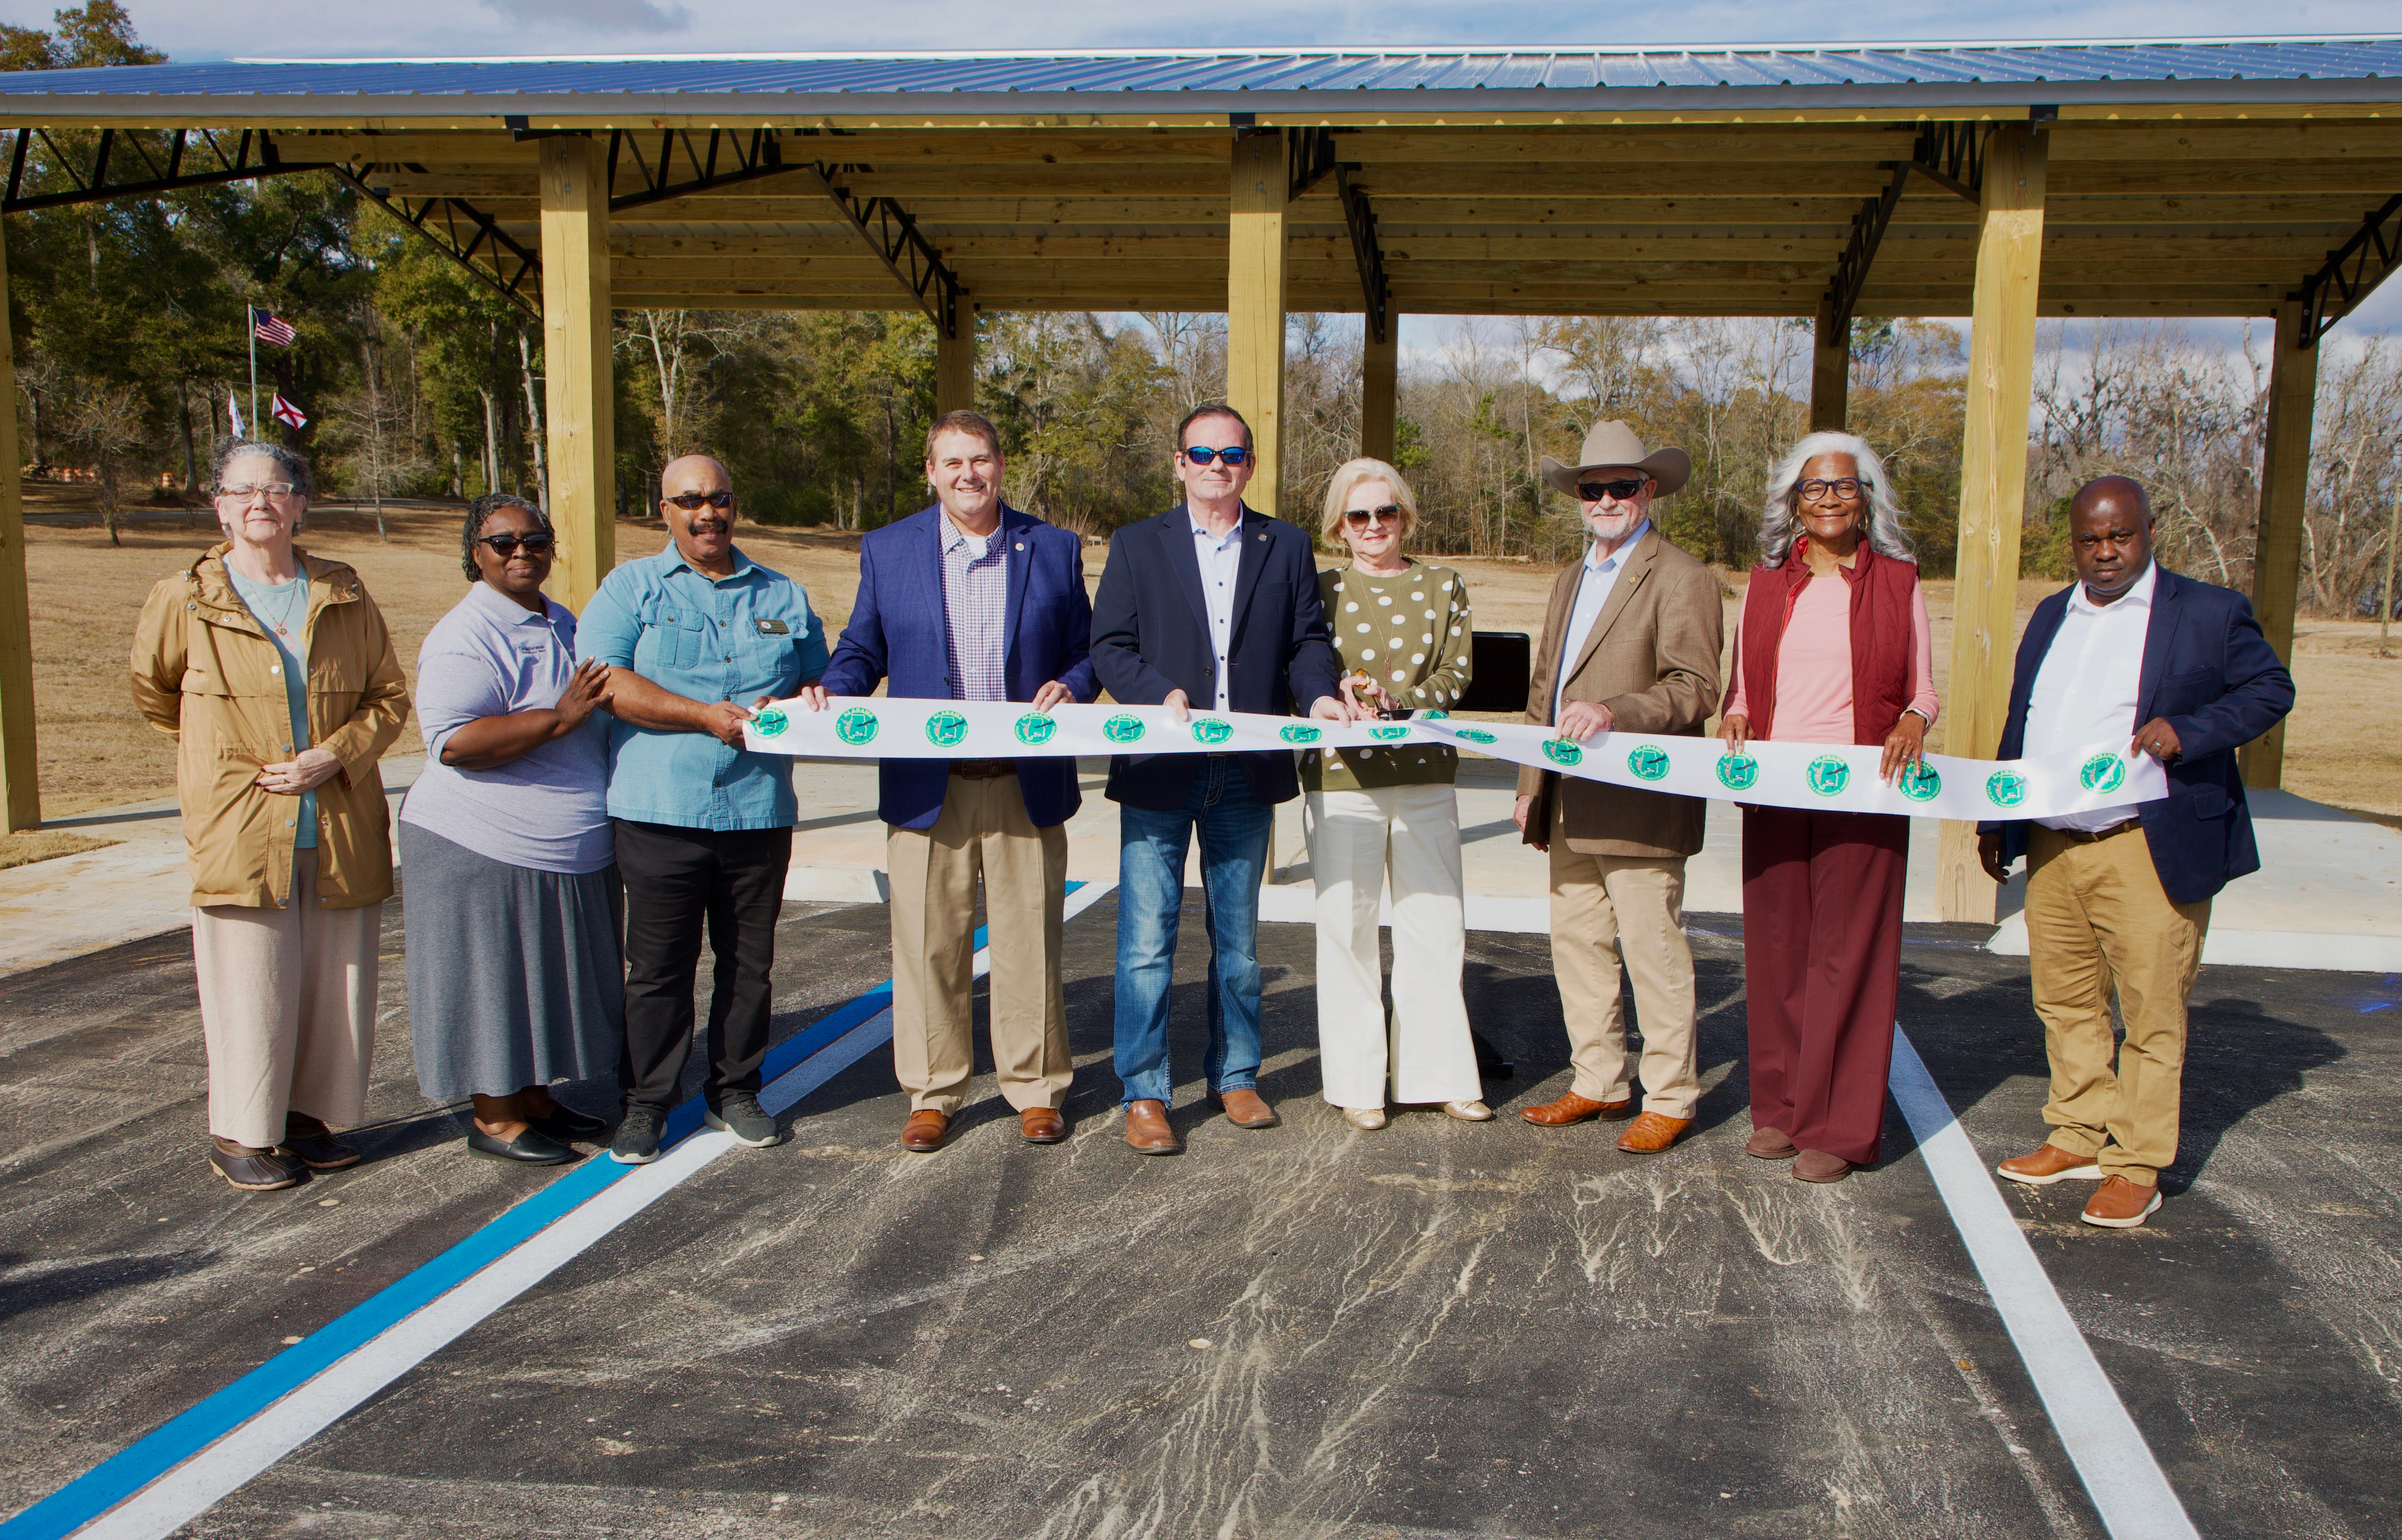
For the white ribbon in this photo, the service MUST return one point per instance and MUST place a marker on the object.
(1837, 777)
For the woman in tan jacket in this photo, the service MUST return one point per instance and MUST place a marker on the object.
(277, 676)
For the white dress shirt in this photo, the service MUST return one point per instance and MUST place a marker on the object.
(1222, 560)
(1599, 577)
(2085, 690)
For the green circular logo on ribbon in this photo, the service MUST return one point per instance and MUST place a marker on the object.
(769, 723)
(2102, 773)
(947, 729)
(1561, 751)
(1648, 762)
(1738, 772)
(1437, 714)
(1829, 775)
(856, 727)
(1388, 733)
(1034, 729)
(1473, 734)
(1300, 732)
(2005, 787)
(1211, 730)
(1919, 781)
(1121, 729)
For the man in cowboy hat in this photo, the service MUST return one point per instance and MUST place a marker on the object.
(1630, 644)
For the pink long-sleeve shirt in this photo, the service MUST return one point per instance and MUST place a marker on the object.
(1814, 665)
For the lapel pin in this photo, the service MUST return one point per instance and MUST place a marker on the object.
(1021, 545)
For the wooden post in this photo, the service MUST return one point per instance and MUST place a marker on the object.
(21, 792)
(1255, 288)
(1830, 371)
(2277, 545)
(1379, 379)
(577, 385)
(1993, 487)
(955, 366)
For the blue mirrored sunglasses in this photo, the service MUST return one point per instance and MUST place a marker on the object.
(1201, 456)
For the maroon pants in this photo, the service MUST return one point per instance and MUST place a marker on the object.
(1822, 965)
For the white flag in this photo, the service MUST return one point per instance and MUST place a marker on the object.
(233, 410)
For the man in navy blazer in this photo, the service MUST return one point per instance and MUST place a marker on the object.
(971, 600)
(1210, 606)
(2120, 895)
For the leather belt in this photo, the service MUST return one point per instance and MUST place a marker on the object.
(982, 769)
(2088, 836)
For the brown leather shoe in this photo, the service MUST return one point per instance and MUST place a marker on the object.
(1147, 1129)
(924, 1131)
(2047, 1163)
(1573, 1108)
(1816, 1165)
(1653, 1133)
(1769, 1144)
(2119, 1203)
(1042, 1125)
(1245, 1110)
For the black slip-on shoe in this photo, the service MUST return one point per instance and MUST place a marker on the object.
(739, 1113)
(531, 1147)
(637, 1137)
(261, 1171)
(563, 1124)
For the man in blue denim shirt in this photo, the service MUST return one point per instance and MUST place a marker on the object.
(704, 827)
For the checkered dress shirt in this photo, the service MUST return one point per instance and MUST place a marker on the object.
(975, 602)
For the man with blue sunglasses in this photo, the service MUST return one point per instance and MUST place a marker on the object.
(1216, 604)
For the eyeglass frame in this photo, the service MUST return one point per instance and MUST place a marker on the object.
(1387, 513)
(1861, 488)
(1593, 492)
(718, 499)
(527, 541)
(1233, 456)
(252, 488)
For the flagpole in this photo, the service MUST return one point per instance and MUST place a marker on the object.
(250, 323)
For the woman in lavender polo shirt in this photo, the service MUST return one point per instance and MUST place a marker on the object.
(511, 895)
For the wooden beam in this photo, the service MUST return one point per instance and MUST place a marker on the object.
(955, 365)
(578, 393)
(1830, 369)
(1255, 304)
(20, 791)
(2277, 545)
(1743, 180)
(1993, 487)
(1379, 382)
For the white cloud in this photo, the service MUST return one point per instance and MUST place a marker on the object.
(605, 16)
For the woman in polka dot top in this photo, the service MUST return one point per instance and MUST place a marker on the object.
(1401, 631)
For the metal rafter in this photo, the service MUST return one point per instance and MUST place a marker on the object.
(1310, 158)
(680, 162)
(1860, 252)
(146, 163)
(1375, 289)
(462, 232)
(892, 234)
(2352, 270)
(1952, 157)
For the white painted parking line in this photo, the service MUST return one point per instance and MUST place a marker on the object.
(2125, 1483)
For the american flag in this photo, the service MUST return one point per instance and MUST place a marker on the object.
(270, 327)
(287, 414)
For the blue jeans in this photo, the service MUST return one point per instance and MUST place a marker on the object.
(1151, 897)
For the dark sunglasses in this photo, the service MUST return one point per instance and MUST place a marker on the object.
(1200, 456)
(505, 547)
(690, 500)
(1846, 487)
(1624, 492)
(1357, 517)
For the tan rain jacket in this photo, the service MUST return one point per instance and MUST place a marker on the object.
(206, 673)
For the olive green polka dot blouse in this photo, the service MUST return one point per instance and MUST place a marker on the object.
(1409, 632)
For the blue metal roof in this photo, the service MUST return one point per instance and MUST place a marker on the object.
(2282, 69)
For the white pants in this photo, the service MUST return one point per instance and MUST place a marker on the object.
(1358, 841)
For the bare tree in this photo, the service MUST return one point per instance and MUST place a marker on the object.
(105, 425)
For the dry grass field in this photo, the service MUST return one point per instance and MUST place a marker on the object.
(95, 752)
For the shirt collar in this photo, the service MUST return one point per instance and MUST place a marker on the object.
(954, 536)
(674, 554)
(506, 610)
(1202, 531)
(2138, 596)
(1610, 563)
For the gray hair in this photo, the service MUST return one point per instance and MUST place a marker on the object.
(1778, 521)
(295, 469)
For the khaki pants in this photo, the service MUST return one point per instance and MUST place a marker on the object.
(1609, 912)
(1357, 841)
(983, 831)
(2097, 918)
(287, 1010)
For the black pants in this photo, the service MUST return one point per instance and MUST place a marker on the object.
(674, 879)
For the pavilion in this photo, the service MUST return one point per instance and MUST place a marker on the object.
(2003, 182)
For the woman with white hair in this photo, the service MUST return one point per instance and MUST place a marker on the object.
(1403, 633)
(1833, 646)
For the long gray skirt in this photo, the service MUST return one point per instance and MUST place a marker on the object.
(516, 977)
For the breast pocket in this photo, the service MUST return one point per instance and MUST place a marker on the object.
(673, 638)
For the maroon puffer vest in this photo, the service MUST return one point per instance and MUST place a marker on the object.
(1882, 640)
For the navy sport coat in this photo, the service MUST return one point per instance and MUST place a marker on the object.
(1151, 635)
(899, 632)
(2209, 672)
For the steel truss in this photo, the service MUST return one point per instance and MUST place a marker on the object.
(892, 234)
(1375, 289)
(2352, 270)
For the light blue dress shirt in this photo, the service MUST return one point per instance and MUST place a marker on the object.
(1593, 592)
(291, 599)
(1222, 563)
(734, 637)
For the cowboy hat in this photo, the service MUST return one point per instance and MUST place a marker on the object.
(1613, 446)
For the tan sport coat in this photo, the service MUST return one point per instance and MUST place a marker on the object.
(204, 672)
(1652, 658)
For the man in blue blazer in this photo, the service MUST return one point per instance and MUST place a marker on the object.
(1214, 605)
(971, 600)
(2120, 895)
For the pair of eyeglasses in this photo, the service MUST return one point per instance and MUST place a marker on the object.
(248, 488)
(1199, 455)
(1624, 492)
(689, 501)
(1359, 518)
(505, 547)
(1849, 489)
